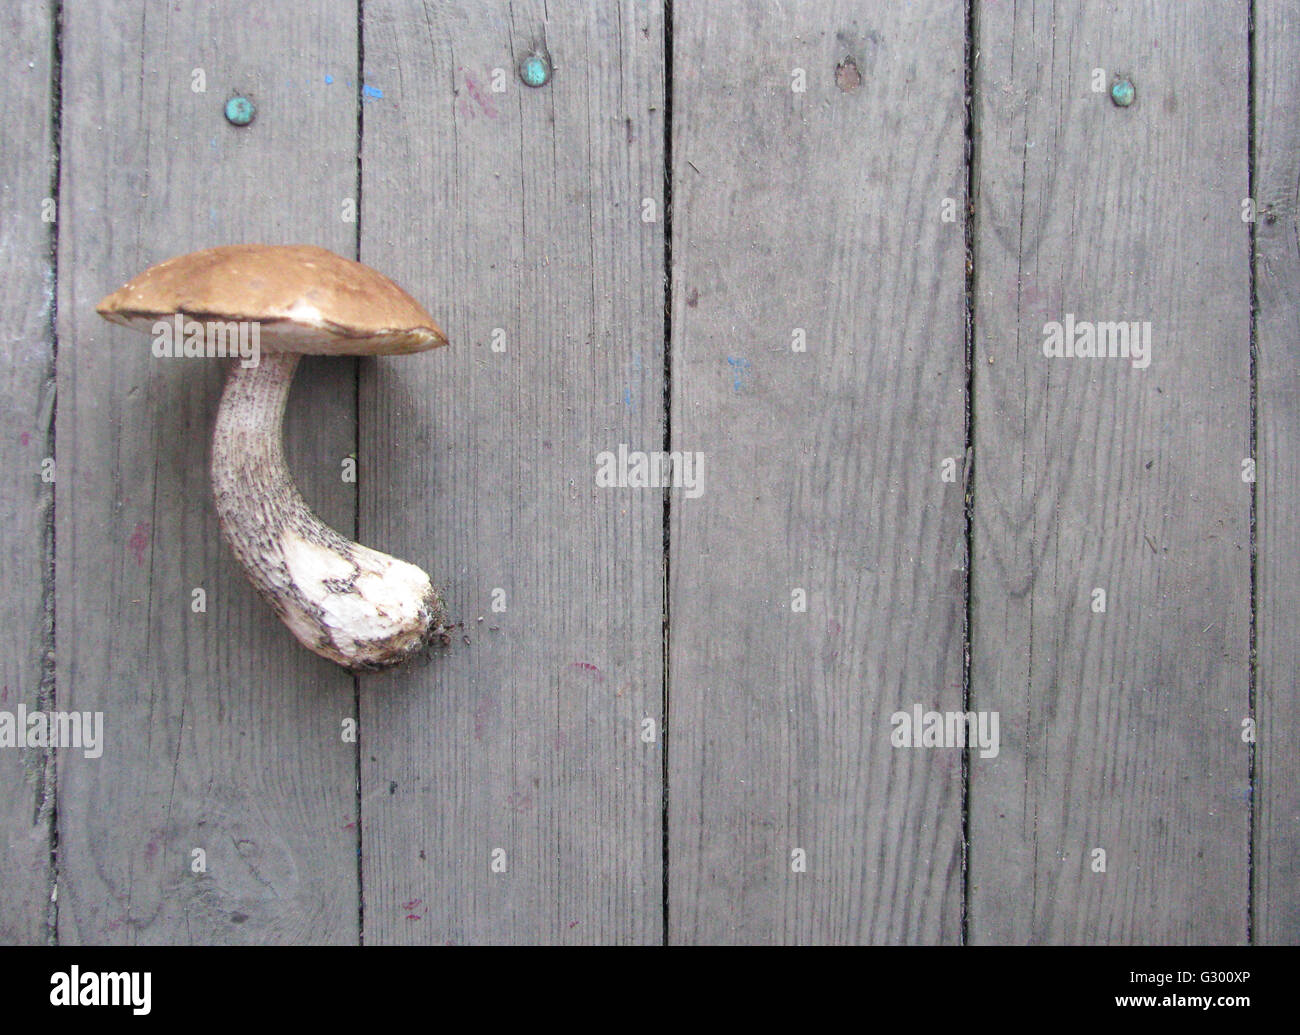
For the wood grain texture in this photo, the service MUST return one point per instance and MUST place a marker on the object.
(818, 211)
(1120, 729)
(518, 218)
(26, 440)
(515, 217)
(221, 732)
(1277, 268)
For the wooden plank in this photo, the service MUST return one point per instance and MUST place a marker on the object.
(26, 441)
(1120, 729)
(516, 217)
(1277, 266)
(819, 211)
(221, 733)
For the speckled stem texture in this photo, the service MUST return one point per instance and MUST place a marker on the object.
(358, 607)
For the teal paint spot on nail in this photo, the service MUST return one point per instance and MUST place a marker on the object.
(240, 111)
(1123, 93)
(535, 70)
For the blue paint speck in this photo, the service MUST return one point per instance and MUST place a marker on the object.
(739, 370)
(627, 397)
(372, 92)
(328, 79)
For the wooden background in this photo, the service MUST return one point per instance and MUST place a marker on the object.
(632, 255)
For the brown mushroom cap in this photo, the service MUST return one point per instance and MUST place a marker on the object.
(304, 299)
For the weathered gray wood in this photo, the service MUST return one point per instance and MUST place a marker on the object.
(1121, 730)
(517, 210)
(522, 210)
(221, 732)
(1277, 265)
(26, 439)
(821, 211)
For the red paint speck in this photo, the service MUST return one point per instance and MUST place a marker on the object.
(587, 666)
(480, 98)
(412, 904)
(519, 801)
(139, 542)
(24, 439)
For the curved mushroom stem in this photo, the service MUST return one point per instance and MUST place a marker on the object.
(353, 605)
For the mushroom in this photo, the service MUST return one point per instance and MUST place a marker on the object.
(358, 607)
